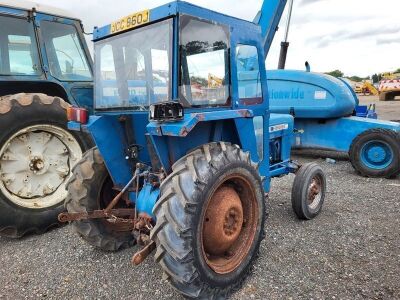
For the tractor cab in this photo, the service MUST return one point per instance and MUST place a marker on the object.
(179, 52)
(43, 50)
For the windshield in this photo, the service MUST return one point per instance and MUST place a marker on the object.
(67, 59)
(133, 69)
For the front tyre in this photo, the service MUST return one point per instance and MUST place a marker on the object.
(37, 153)
(210, 221)
(308, 191)
(376, 153)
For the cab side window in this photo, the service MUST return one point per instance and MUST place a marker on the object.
(204, 58)
(248, 73)
(18, 49)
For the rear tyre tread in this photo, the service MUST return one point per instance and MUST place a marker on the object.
(175, 211)
(79, 186)
(8, 104)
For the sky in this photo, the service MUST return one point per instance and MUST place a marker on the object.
(358, 37)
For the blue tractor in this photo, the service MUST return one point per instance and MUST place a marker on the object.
(185, 145)
(44, 67)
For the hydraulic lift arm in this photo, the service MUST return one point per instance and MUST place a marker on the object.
(268, 18)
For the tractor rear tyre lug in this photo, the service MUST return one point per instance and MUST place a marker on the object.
(308, 191)
(89, 189)
(37, 153)
(205, 254)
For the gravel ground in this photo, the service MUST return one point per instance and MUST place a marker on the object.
(350, 251)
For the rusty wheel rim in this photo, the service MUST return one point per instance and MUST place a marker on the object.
(229, 224)
(314, 192)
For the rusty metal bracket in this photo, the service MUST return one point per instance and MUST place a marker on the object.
(141, 255)
(96, 214)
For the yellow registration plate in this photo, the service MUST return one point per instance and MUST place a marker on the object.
(131, 21)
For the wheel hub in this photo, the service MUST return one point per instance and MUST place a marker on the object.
(34, 164)
(377, 154)
(223, 221)
(314, 192)
(229, 224)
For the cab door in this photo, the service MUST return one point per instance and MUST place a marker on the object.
(66, 57)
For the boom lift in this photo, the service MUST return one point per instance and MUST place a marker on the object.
(328, 116)
(179, 166)
(44, 67)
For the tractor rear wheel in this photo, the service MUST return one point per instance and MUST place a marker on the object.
(37, 153)
(89, 189)
(308, 191)
(210, 221)
(376, 153)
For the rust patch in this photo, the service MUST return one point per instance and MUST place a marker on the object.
(183, 132)
(223, 221)
(229, 225)
(96, 214)
(245, 113)
(200, 117)
(141, 255)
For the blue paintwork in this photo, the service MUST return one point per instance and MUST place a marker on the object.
(335, 134)
(147, 198)
(325, 123)
(249, 126)
(351, 90)
(268, 19)
(376, 155)
(77, 93)
(74, 126)
(309, 95)
(184, 127)
(365, 111)
(112, 145)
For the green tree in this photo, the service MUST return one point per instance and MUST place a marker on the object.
(375, 78)
(336, 73)
(357, 78)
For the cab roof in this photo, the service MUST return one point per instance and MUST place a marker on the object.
(28, 5)
(181, 7)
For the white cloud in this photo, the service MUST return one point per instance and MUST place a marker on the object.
(356, 36)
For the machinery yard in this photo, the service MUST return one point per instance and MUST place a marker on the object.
(350, 251)
(387, 110)
(179, 164)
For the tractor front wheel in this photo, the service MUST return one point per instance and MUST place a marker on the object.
(210, 221)
(376, 153)
(308, 191)
(89, 189)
